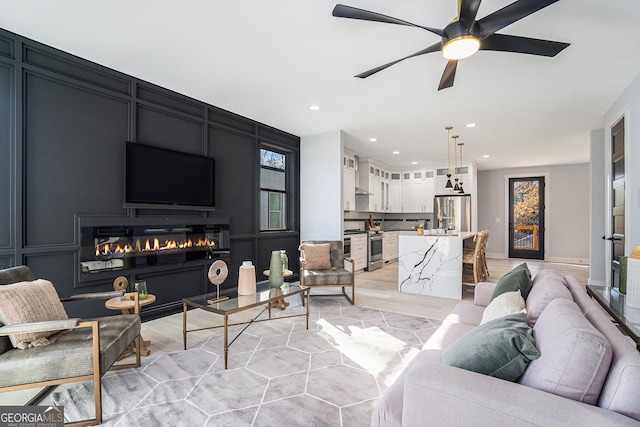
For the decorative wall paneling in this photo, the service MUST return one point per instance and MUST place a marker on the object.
(63, 124)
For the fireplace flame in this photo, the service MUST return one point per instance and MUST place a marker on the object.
(109, 249)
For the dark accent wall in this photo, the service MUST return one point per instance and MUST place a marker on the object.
(63, 124)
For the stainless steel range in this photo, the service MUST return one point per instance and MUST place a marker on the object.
(374, 250)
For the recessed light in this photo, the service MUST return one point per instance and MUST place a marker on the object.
(471, 125)
(414, 163)
(373, 139)
(486, 156)
(314, 107)
(396, 152)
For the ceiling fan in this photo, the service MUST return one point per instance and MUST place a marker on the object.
(465, 35)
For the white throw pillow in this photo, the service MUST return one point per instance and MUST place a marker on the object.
(503, 305)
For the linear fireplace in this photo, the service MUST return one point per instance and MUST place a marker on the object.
(134, 243)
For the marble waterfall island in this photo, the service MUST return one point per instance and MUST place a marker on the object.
(431, 265)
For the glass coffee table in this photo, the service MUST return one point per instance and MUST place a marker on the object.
(229, 302)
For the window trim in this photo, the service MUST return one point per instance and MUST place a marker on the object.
(286, 205)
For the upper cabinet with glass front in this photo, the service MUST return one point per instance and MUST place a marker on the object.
(349, 181)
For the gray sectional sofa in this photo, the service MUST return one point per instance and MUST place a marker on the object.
(587, 374)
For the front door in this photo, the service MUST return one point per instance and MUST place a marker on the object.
(617, 200)
(526, 217)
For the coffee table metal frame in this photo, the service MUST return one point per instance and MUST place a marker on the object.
(265, 296)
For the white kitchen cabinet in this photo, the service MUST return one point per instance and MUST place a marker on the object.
(430, 191)
(349, 190)
(349, 182)
(359, 251)
(395, 192)
(418, 191)
(390, 246)
(407, 192)
(372, 180)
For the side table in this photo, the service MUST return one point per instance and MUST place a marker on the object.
(126, 306)
(280, 303)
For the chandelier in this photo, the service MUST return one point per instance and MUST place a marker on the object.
(449, 185)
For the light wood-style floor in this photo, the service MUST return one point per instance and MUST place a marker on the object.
(377, 289)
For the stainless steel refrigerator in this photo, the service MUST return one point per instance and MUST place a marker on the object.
(452, 212)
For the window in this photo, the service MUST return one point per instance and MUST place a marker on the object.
(273, 190)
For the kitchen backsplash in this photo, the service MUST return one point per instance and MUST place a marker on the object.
(388, 222)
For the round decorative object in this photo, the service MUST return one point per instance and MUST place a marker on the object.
(218, 272)
(120, 284)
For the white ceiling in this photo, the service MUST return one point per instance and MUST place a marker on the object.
(271, 60)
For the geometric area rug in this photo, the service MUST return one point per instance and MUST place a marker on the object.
(280, 374)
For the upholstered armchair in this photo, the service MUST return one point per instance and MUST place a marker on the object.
(322, 264)
(54, 349)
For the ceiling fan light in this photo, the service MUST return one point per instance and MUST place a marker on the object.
(461, 47)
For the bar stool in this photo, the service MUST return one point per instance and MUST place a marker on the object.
(473, 267)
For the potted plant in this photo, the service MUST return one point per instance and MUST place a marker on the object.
(420, 228)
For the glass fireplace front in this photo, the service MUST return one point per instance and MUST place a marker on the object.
(105, 248)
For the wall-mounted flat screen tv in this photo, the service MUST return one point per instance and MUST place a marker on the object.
(160, 178)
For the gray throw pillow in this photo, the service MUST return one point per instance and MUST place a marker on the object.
(517, 279)
(575, 357)
(501, 348)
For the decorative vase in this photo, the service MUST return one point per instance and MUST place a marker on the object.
(247, 279)
(140, 286)
(285, 260)
(622, 283)
(276, 276)
(420, 231)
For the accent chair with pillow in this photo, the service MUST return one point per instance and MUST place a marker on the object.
(41, 347)
(322, 264)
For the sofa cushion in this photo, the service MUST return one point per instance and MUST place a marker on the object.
(327, 277)
(500, 348)
(620, 390)
(549, 285)
(503, 305)
(575, 356)
(28, 302)
(517, 279)
(317, 256)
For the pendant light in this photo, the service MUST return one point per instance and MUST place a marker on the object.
(460, 144)
(448, 128)
(456, 187)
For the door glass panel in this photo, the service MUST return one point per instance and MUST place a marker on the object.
(617, 237)
(526, 218)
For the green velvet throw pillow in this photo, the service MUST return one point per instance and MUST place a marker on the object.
(501, 348)
(517, 279)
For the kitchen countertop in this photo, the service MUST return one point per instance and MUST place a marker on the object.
(350, 232)
(462, 235)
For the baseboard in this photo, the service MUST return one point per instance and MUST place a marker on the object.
(580, 261)
(496, 255)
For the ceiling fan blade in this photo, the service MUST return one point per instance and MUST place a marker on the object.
(433, 48)
(510, 14)
(449, 74)
(507, 43)
(342, 11)
(468, 11)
